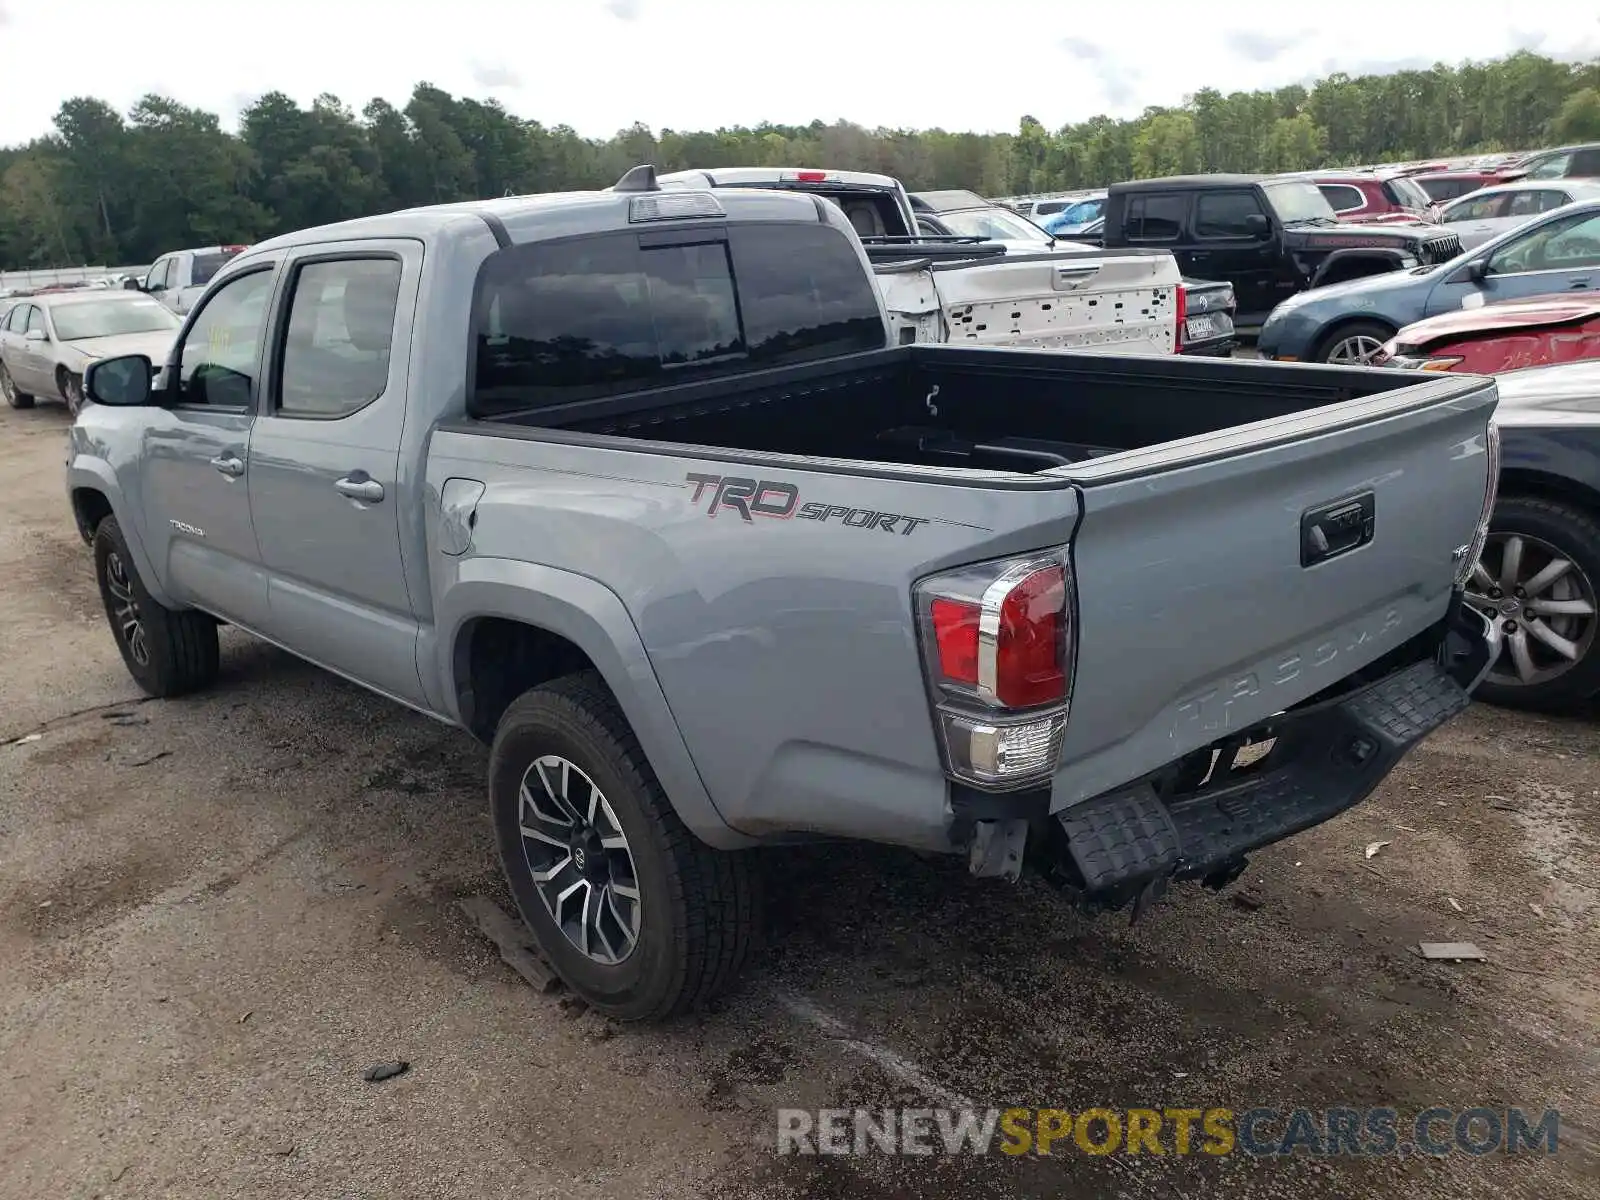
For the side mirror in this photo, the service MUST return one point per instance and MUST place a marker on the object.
(132, 285)
(122, 382)
(1478, 270)
(33, 335)
(1257, 225)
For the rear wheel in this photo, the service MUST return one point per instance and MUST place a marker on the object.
(168, 652)
(635, 914)
(8, 389)
(1353, 344)
(1537, 580)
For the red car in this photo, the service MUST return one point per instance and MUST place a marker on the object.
(1367, 196)
(1537, 332)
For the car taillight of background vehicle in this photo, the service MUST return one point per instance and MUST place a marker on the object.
(1181, 303)
(1491, 492)
(999, 643)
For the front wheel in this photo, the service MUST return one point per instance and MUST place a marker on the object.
(635, 914)
(1353, 344)
(1537, 580)
(168, 652)
(72, 392)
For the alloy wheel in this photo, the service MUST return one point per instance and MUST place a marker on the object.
(579, 859)
(1357, 349)
(1543, 602)
(125, 610)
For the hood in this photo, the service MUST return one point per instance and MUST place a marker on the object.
(154, 345)
(1532, 313)
(1346, 236)
(1366, 287)
(1563, 394)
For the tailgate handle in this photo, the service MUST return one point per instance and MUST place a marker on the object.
(1336, 528)
(1076, 272)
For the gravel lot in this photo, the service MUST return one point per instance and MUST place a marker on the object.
(216, 913)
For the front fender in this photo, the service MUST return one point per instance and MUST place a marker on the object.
(1392, 258)
(95, 474)
(593, 618)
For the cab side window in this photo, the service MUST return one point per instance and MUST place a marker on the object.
(1155, 218)
(156, 281)
(218, 362)
(36, 319)
(341, 328)
(1226, 214)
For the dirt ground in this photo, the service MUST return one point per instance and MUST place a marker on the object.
(217, 913)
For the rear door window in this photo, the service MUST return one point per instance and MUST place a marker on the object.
(1342, 197)
(558, 322)
(1156, 218)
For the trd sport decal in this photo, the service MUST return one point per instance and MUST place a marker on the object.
(752, 498)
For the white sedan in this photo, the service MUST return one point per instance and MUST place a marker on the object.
(48, 340)
(1489, 212)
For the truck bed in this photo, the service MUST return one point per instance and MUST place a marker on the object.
(943, 406)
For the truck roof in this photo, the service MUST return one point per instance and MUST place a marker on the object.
(748, 176)
(1184, 182)
(513, 219)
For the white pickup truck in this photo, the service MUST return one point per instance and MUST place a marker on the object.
(179, 277)
(973, 291)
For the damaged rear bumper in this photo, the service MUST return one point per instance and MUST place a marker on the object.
(1200, 817)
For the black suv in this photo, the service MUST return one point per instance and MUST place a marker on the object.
(1268, 236)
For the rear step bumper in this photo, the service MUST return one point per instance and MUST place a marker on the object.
(1129, 844)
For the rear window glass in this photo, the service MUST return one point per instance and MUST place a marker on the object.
(1407, 193)
(557, 322)
(207, 265)
(1448, 189)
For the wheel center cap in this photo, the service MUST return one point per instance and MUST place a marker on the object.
(579, 858)
(1510, 608)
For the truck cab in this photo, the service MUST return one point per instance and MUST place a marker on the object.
(179, 277)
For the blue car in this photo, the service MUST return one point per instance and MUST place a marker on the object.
(1348, 322)
(1076, 216)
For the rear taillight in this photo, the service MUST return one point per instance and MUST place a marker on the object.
(999, 643)
(1491, 492)
(1182, 305)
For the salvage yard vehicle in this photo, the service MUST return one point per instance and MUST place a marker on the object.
(1493, 338)
(1269, 237)
(178, 278)
(1350, 322)
(48, 339)
(1489, 212)
(978, 291)
(1539, 576)
(636, 487)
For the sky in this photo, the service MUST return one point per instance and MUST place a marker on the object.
(600, 65)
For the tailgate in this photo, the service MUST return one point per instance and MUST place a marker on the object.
(1106, 302)
(1197, 614)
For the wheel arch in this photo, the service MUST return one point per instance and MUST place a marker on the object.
(1519, 482)
(509, 626)
(95, 495)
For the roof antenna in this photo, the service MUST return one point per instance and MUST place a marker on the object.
(640, 179)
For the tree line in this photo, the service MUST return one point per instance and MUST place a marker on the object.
(104, 188)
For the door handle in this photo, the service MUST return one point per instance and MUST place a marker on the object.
(363, 488)
(1579, 284)
(229, 465)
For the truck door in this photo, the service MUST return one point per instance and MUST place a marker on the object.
(158, 281)
(1227, 244)
(195, 504)
(326, 484)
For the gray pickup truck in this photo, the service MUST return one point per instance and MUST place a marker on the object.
(632, 486)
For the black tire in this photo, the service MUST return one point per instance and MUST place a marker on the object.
(71, 389)
(1350, 329)
(8, 388)
(177, 650)
(1575, 534)
(699, 907)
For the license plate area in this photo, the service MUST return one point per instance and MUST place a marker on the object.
(1336, 528)
(1207, 325)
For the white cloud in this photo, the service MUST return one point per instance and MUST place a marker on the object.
(600, 65)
